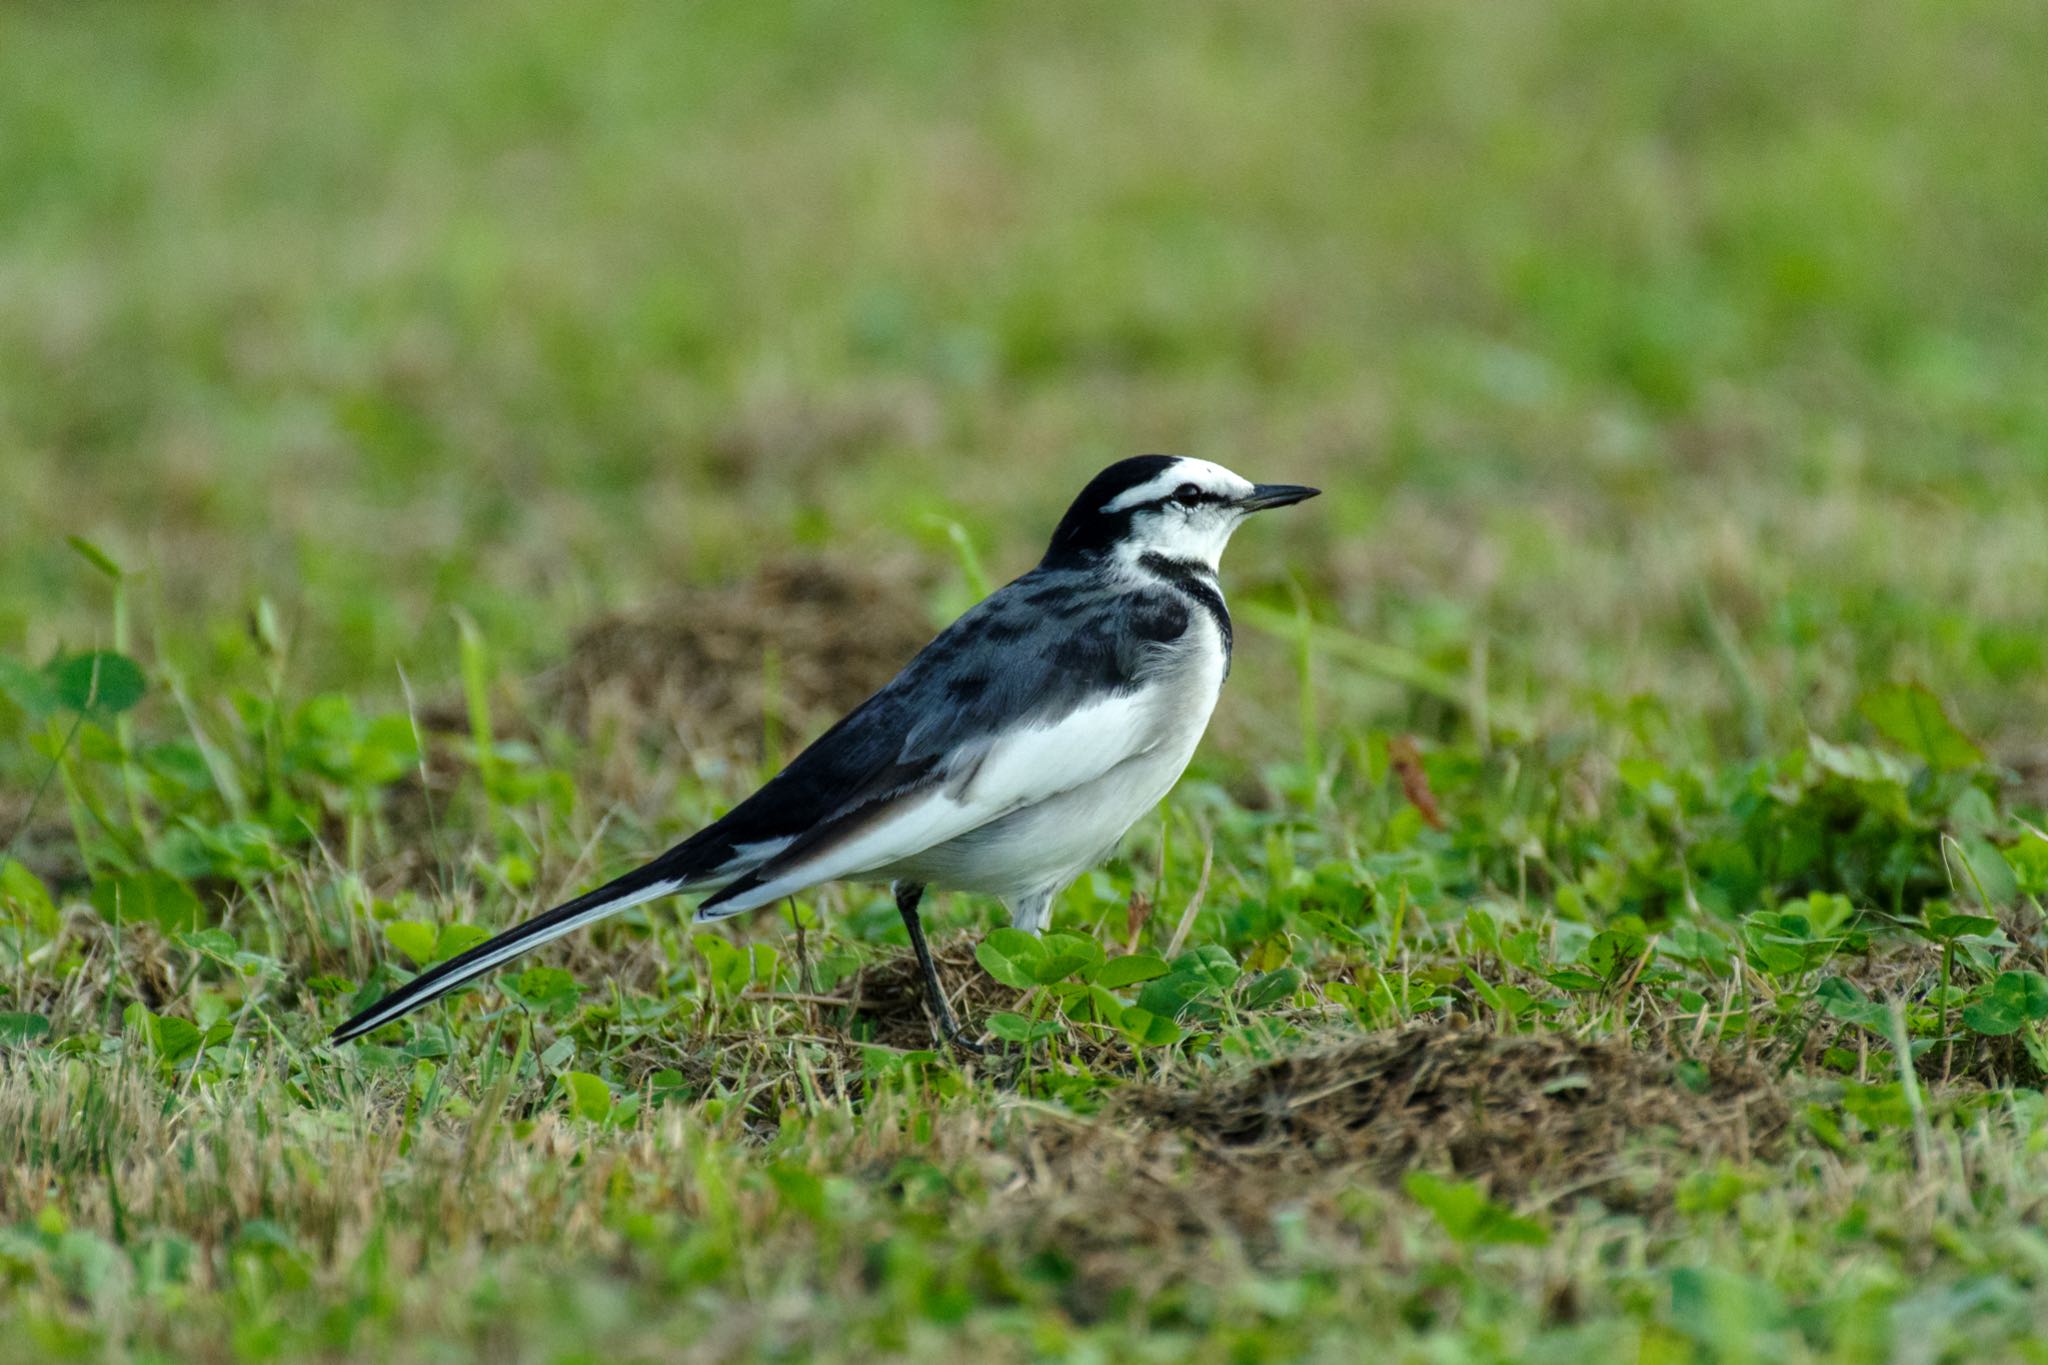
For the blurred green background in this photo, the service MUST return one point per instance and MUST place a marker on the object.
(1682, 349)
(1675, 374)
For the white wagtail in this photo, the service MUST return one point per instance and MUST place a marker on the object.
(1008, 757)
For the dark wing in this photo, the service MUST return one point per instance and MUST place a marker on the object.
(1033, 692)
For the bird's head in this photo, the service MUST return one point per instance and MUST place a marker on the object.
(1170, 505)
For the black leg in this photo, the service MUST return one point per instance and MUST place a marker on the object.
(803, 957)
(908, 894)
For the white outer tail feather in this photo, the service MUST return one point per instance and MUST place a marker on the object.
(514, 946)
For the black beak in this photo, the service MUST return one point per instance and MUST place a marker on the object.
(1264, 495)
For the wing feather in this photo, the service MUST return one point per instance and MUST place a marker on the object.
(1019, 769)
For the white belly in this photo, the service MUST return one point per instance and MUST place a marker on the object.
(1039, 849)
(1044, 847)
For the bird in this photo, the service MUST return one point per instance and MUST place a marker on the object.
(1007, 758)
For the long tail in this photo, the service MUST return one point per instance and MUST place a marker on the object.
(659, 878)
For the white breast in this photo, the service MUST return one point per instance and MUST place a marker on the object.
(1039, 849)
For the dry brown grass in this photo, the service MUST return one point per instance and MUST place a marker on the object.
(1537, 1112)
(1171, 1186)
(804, 640)
(888, 995)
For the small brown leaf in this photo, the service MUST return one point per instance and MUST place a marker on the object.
(1407, 760)
(1136, 913)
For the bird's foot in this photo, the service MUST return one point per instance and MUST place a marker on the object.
(959, 1039)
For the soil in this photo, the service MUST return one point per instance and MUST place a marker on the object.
(802, 641)
(1201, 1184)
(1520, 1113)
(889, 994)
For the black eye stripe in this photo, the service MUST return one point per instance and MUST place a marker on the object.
(1192, 495)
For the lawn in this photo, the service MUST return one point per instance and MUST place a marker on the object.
(448, 453)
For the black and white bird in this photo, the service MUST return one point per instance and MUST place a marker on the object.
(1008, 757)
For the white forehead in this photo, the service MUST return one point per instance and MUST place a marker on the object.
(1210, 478)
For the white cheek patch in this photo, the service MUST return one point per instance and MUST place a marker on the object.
(1198, 537)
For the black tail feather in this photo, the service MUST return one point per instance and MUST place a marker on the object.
(664, 876)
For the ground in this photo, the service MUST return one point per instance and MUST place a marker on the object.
(448, 453)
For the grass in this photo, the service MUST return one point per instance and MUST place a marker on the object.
(446, 455)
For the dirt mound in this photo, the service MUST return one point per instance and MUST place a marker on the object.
(889, 994)
(695, 679)
(1538, 1111)
(1171, 1187)
(1537, 1114)
(803, 640)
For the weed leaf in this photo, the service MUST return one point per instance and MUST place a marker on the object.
(19, 1030)
(1129, 971)
(101, 682)
(1063, 956)
(412, 938)
(2015, 998)
(589, 1097)
(1465, 1212)
(1912, 718)
(1012, 957)
(1015, 1028)
(1272, 988)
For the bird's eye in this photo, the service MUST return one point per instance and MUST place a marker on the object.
(1187, 492)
